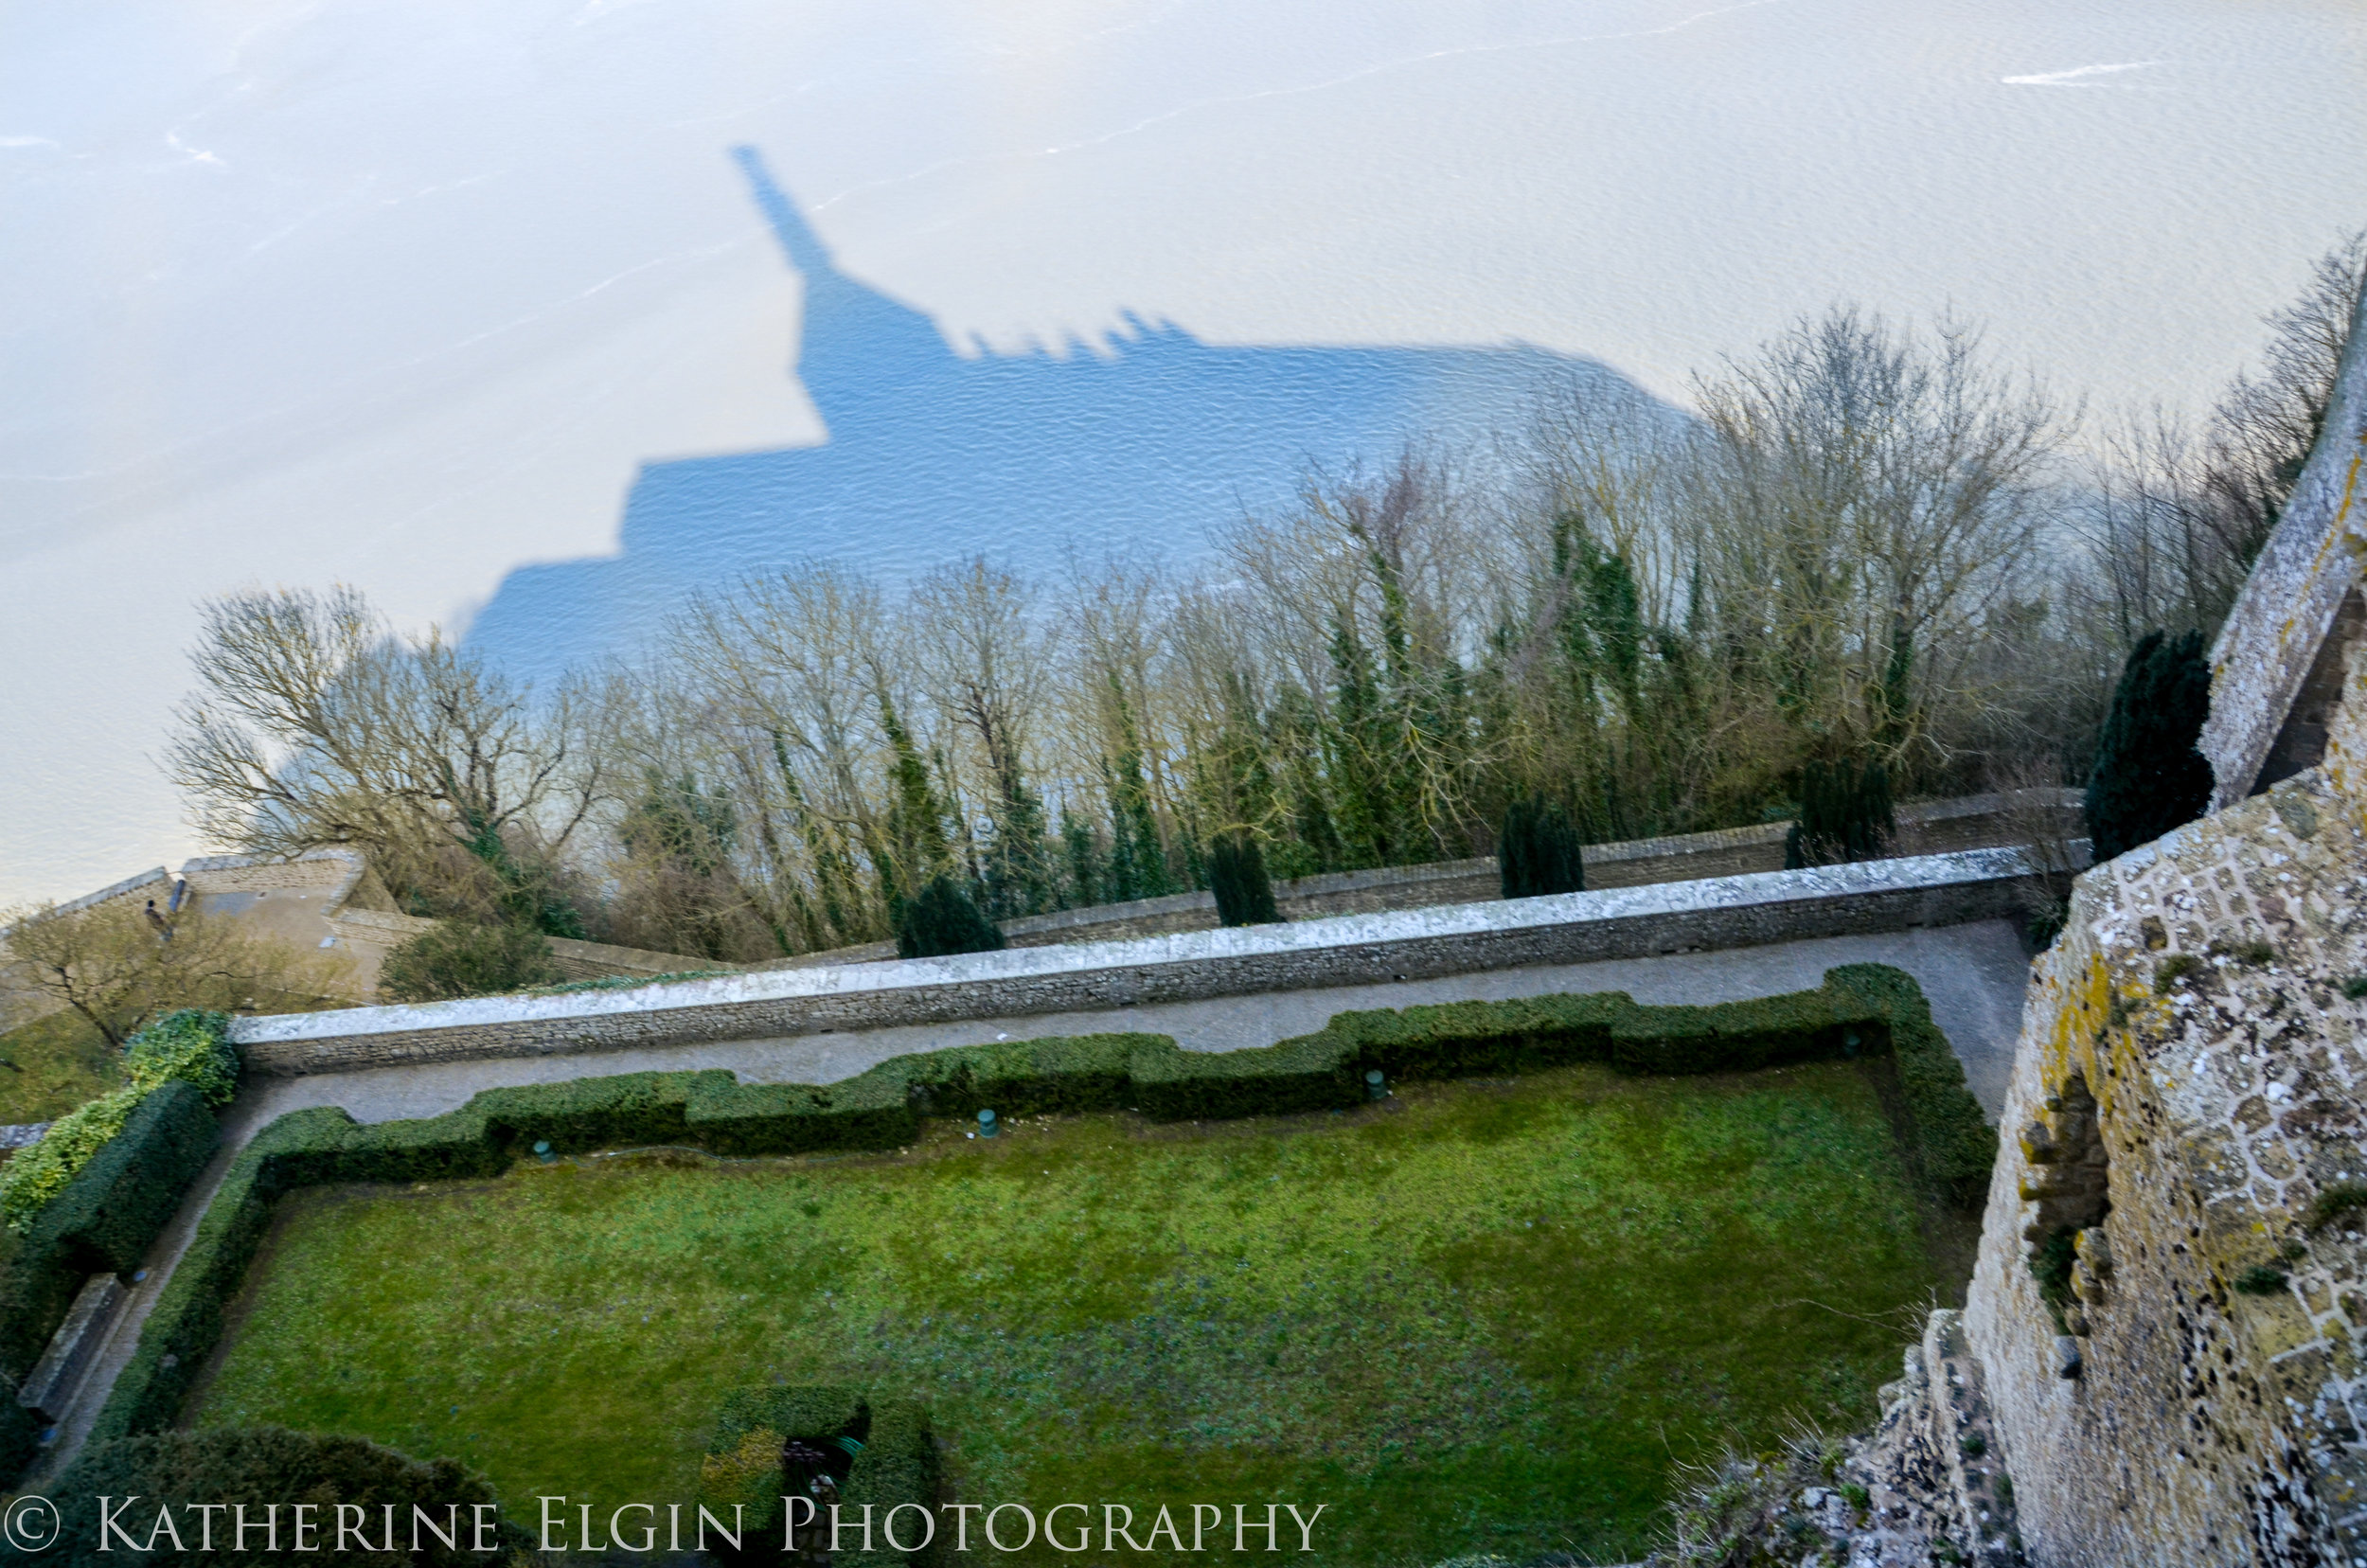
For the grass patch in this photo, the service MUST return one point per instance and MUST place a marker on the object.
(2339, 1201)
(1491, 1318)
(55, 1063)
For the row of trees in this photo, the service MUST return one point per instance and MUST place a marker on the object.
(1871, 548)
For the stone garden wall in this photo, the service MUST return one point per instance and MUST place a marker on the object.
(1344, 950)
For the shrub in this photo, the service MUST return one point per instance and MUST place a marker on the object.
(2170, 970)
(131, 1186)
(1019, 1078)
(104, 1218)
(1844, 816)
(1537, 850)
(1236, 875)
(2051, 1264)
(187, 1047)
(943, 920)
(454, 958)
(2261, 1280)
(261, 1466)
(2339, 1201)
(20, 1438)
(1953, 1140)
(39, 1173)
(192, 1046)
(2148, 777)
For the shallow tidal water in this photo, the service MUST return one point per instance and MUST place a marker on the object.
(528, 317)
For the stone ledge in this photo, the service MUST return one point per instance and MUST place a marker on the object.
(51, 1384)
(1343, 949)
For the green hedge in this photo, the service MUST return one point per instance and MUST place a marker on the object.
(187, 1047)
(37, 1175)
(1954, 1142)
(261, 1466)
(105, 1218)
(1861, 1008)
(191, 1045)
(20, 1437)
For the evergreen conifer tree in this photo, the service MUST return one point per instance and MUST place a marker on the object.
(1084, 860)
(1537, 851)
(1236, 875)
(1844, 816)
(943, 920)
(916, 818)
(2148, 777)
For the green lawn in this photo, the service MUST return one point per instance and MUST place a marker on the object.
(1487, 1319)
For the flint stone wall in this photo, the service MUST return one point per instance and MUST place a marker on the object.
(2189, 1083)
(1346, 950)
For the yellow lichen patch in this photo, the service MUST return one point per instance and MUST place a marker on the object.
(2346, 743)
(2084, 1012)
(746, 1473)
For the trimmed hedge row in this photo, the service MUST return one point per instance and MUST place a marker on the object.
(20, 1436)
(187, 1047)
(897, 1465)
(1861, 1008)
(259, 1466)
(37, 1175)
(1954, 1142)
(105, 1220)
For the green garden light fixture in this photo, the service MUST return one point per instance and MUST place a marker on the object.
(1376, 1085)
(987, 1126)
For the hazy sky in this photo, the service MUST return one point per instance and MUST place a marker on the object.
(404, 294)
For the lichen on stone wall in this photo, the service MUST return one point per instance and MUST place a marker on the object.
(2193, 1391)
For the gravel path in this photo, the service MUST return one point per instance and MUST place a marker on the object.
(1973, 974)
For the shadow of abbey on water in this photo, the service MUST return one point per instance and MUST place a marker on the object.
(1143, 444)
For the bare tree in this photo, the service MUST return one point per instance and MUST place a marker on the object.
(2266, 424)
(314, 724)
(788, 662)
(111, 969)
(984, 654)
(1871, 498)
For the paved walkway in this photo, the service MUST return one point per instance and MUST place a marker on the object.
(1973, 974)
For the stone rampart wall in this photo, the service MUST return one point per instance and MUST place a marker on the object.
(2189, 1085)
(2296, 589)
(329, 872)
(1578, 927)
